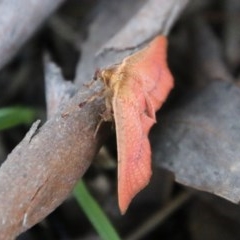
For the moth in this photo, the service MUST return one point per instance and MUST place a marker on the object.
(134, 90)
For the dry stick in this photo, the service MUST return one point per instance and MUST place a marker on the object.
(157, 218)
(207, 54)
(19, 20)
(42, 170)
(57, 90)
(64, 30)
(18, 81)
(231, 33)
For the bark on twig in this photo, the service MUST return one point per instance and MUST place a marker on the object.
(19, 20)
(42, 170)
(58, 91)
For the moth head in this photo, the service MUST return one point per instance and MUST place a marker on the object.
(106, 75)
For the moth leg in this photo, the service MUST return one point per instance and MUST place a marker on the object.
(95, 78)
(106, 116)
(89, 84)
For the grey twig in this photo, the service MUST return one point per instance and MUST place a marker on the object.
(18, 21)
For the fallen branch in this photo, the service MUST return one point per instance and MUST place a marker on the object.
(19, 20)
(42, 170)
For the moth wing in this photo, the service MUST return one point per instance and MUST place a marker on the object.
(150, 65)
(134, 152)
(145, 84)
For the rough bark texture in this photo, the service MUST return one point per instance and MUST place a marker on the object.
(19, 20)
(42, 170)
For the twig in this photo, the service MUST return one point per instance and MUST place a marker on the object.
(157, 218)
(231, 33)
(207, 52)
(19, 20)
(42, 170)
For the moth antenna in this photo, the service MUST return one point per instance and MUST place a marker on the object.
(94, 79)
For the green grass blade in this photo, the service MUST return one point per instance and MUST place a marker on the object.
(13, 116)
(94, 213)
